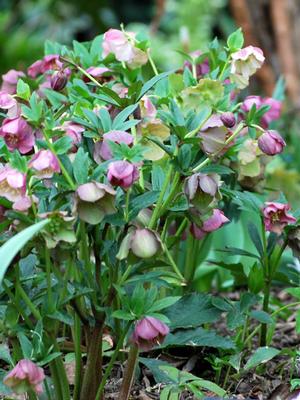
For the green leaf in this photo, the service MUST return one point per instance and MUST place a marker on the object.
(122, 116)
(148, 85)
(154, 366)
(279, 91)
(240, 252)
(261, 356)
(23, 90)
(164, 303)
(261, 316)
(256, 278)
(208, 385)
(197, 337)
(235, 41)
(5, 354)
(120, 314)
(62, 145)
(81, 166)
(256, 238)
(9, 250)
(26, 345)
(142, 201)
(192, 310)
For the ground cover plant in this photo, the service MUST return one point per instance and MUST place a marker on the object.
(131, 201)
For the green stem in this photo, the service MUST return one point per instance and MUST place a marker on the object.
(35, 312)
(156, 212)
(78, 356)
(48, 276)
(126, 211)
(62, 167)
(112, 361)
(85, 255)
(179, 232)
(267, 286)
(152, 63)
(171, 195)
(189, 267)
(223, 69)
(173, 264)
(230, 139)
(129, 372)
(82, 71)
(62, 378)
(196, 130)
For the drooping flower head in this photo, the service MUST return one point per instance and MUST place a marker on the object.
(25, 376)
(122, 45)
(122, 173)
(276, 216)
(17, 134)
(74, 131)
(271, 143)
(149, 332)
(10, 80)
(12, 183)
(49, 62)
(143, 242)
(94, 201)
(45, 164)
(245, 63)
(10, 104)
(202, 189)
(214, 222)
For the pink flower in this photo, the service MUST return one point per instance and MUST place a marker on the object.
(45, 164)
(228, 119)
(116, 137)
(276, 216)
(271, 143)
(214, 222)
(12, 183)
(95, 72)
(49, 62)
(10, 80)
(202, 189)
(24, 203)
(25, 376)
(73, 130)
(122, 173)
(17, 134)
(9, 103)
(149, 332)
(122, 45)
(144, 243)
(118, 43)
(213, 134)
(245, 62)
(148, 110)
(271, 115)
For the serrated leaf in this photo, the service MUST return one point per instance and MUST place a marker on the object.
(80, 166)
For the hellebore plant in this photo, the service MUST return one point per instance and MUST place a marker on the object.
(121, 164)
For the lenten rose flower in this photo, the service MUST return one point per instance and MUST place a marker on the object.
(119, 44)
(94, 201)
(45, 164)
(214, 222)
(213, 134)
(122, 173)
(148, 109)
(202, 189)
(25, 376)
(271, 115)
(10, 80)
(149, 332)
(96, 72)
(245, 63)
(17, 134)
(49, 62)
(271, 143)
(12, 183)
(276, 216)
(10, 104)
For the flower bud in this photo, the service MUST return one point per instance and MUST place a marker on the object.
(59, 80)
(149, 332)
(228, 119)
(25, 376)
(122, 173)
(271, 143)
(145, 243)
